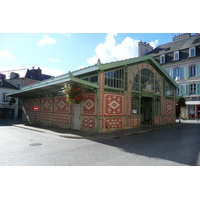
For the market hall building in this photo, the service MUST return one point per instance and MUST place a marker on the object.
(125, 94)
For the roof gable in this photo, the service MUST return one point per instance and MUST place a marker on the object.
(5, 84)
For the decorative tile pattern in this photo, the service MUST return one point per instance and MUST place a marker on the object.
(60, 105)
(113, 123)
(169, 105)
(34, 115)
(135, 122)
(158, 120)
(46, 104)
(114, 105)
(46, 117)
(88, 107)
(61, 119)
(170, 120)
(27, 104)
(35, 102)
(88, 123)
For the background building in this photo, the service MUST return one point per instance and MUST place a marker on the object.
(8, 110)
(15, 82)
(181, 60)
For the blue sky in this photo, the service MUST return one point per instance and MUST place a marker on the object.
(58, 53)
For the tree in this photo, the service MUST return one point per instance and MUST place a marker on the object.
(181, 102)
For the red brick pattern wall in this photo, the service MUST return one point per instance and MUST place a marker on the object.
(46, 104)
(114, 104)
(27, 104)
(61, 119)
(46, 117)
(158, 120)
(114, 123)
(89, 105)
(35, 102)
(135, 122)
(60, 105)
(169, 107)
(88, 122)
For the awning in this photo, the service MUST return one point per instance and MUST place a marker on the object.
(49, 87)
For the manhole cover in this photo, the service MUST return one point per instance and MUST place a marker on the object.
(35, 144)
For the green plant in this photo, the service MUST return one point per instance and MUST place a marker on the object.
(12, 101)
(74, 93)
(181, 102)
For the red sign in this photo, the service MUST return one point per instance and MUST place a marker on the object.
(35, 108)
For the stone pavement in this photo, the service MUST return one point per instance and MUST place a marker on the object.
(76, 134)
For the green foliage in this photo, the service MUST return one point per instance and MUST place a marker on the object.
(181, 102)
(12, 101)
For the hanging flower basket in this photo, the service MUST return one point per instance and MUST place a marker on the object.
(74, 93)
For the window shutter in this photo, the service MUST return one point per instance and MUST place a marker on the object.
(198, 70)
(181, 73)
(167, 71)
(198, 88)
(180, 90)
(171, 73)
(186, 72)
(187, 89)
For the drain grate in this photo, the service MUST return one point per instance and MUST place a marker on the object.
(35, 144)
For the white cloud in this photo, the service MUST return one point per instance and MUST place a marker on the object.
(46, 40)
(154, 43)
(110, 51)
(5, 53)
(81, 67)
(54, 60)
(53, 72)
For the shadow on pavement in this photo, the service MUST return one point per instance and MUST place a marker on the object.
(179, 144)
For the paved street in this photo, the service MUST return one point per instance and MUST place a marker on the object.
(169, 147)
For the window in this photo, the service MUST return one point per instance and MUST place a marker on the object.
(177, 74)
(192, 88)
(115, 79)
(147, 81)
(135, 105)
(19, 86)
(192, 70)
(176, 55)
(157, 107)
(5, 98)
(162, 59)
(192, 52)
(0, 82)
(93, 79)
(177, 92)
(168, 89)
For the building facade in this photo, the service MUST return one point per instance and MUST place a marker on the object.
(8, 110)
(181, 60)
(126, 94)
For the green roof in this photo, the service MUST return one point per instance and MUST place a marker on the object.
(53, 85)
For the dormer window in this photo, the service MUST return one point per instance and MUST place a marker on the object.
(192, 52)
(176, 55)
(162, 59)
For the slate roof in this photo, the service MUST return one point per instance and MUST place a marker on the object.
(36, 75)
(192, 41)
(5, 84)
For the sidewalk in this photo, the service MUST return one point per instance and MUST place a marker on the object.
(76, 134)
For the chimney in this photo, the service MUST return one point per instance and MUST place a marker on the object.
(2, 76)
(181, 36)
(144, 48)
